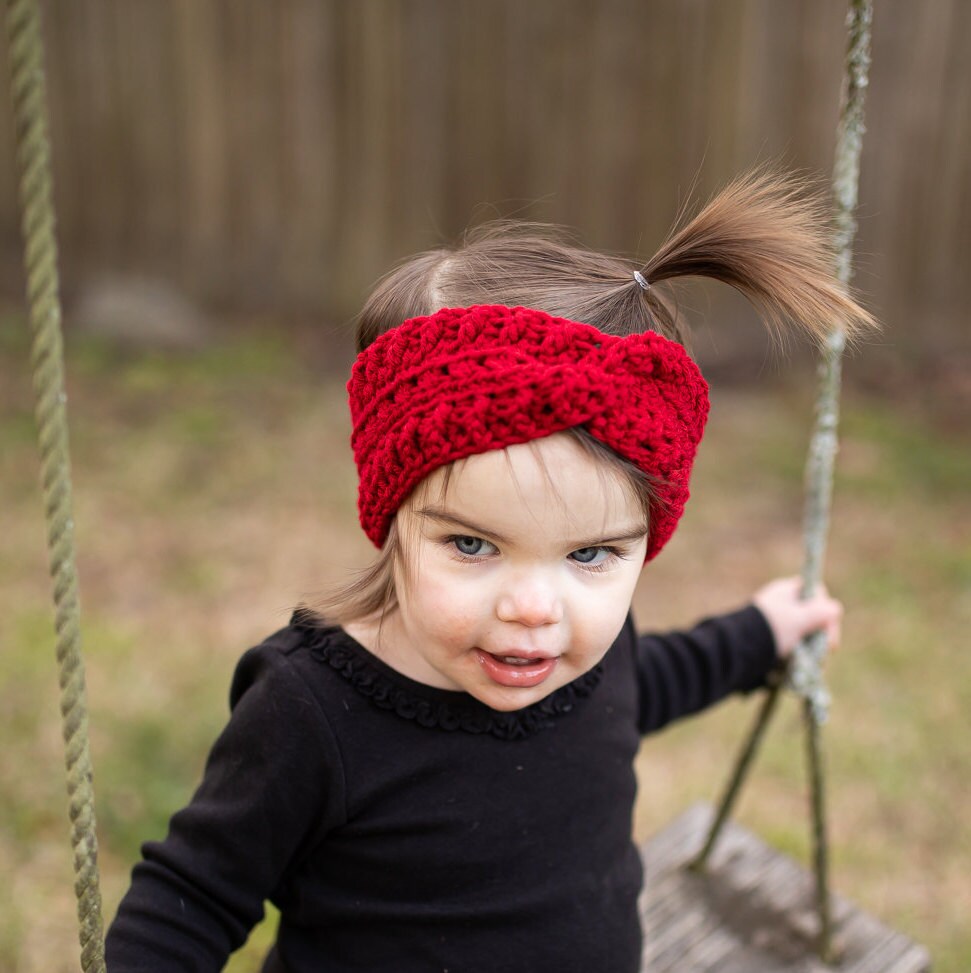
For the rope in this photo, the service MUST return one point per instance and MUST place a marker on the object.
(807, 670)
(40, 249)
(805, 675)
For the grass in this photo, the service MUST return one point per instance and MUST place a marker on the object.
(213, 491)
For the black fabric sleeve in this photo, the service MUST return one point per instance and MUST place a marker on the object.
(682, 672)
(272, 787)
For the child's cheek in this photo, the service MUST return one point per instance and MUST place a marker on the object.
(601, 625)
(451, 608)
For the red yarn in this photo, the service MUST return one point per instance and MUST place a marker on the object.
(468, 380)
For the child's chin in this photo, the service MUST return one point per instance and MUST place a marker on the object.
(504, 700)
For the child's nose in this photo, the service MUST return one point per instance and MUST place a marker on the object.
(531, 602)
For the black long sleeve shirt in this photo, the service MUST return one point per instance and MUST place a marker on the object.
(403, 828)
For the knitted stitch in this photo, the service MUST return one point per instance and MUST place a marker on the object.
(464, 381)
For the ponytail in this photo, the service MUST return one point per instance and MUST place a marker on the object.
(768, 238)
(765, 235)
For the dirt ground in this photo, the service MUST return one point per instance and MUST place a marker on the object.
(214, 491)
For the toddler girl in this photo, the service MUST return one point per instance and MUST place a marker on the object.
(433, 770)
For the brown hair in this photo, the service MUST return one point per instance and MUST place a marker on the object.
(766, 235)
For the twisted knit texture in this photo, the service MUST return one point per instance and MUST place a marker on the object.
(464, 381)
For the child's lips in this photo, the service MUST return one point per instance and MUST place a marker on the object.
(516, 669)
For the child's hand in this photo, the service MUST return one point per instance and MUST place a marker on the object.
(791, 618)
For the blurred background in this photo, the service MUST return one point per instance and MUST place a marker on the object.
(232, 177)
(283, 155)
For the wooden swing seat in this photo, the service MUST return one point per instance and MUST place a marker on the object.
(752, 911)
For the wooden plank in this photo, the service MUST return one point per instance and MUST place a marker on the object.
(752, 911)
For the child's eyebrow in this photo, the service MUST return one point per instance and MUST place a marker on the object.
(634, 533)
(443, 516)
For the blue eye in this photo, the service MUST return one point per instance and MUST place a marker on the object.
(471, 546)
(591, 556)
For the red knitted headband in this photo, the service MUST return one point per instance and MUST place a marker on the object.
(469, 380)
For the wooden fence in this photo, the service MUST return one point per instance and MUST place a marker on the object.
(289, 151)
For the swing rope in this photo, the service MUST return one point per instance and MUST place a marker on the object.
(40, 259)
(804, 674)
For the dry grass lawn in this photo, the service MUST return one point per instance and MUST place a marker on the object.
(213, 492)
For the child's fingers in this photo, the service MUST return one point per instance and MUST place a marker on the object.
(792, 617)
(823, 613)
(826, 614)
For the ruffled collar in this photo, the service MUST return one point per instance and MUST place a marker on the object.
(430, 707)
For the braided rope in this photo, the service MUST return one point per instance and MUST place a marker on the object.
(33, 151)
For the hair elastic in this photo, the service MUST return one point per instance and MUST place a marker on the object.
(642, 281)
(469, 380)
